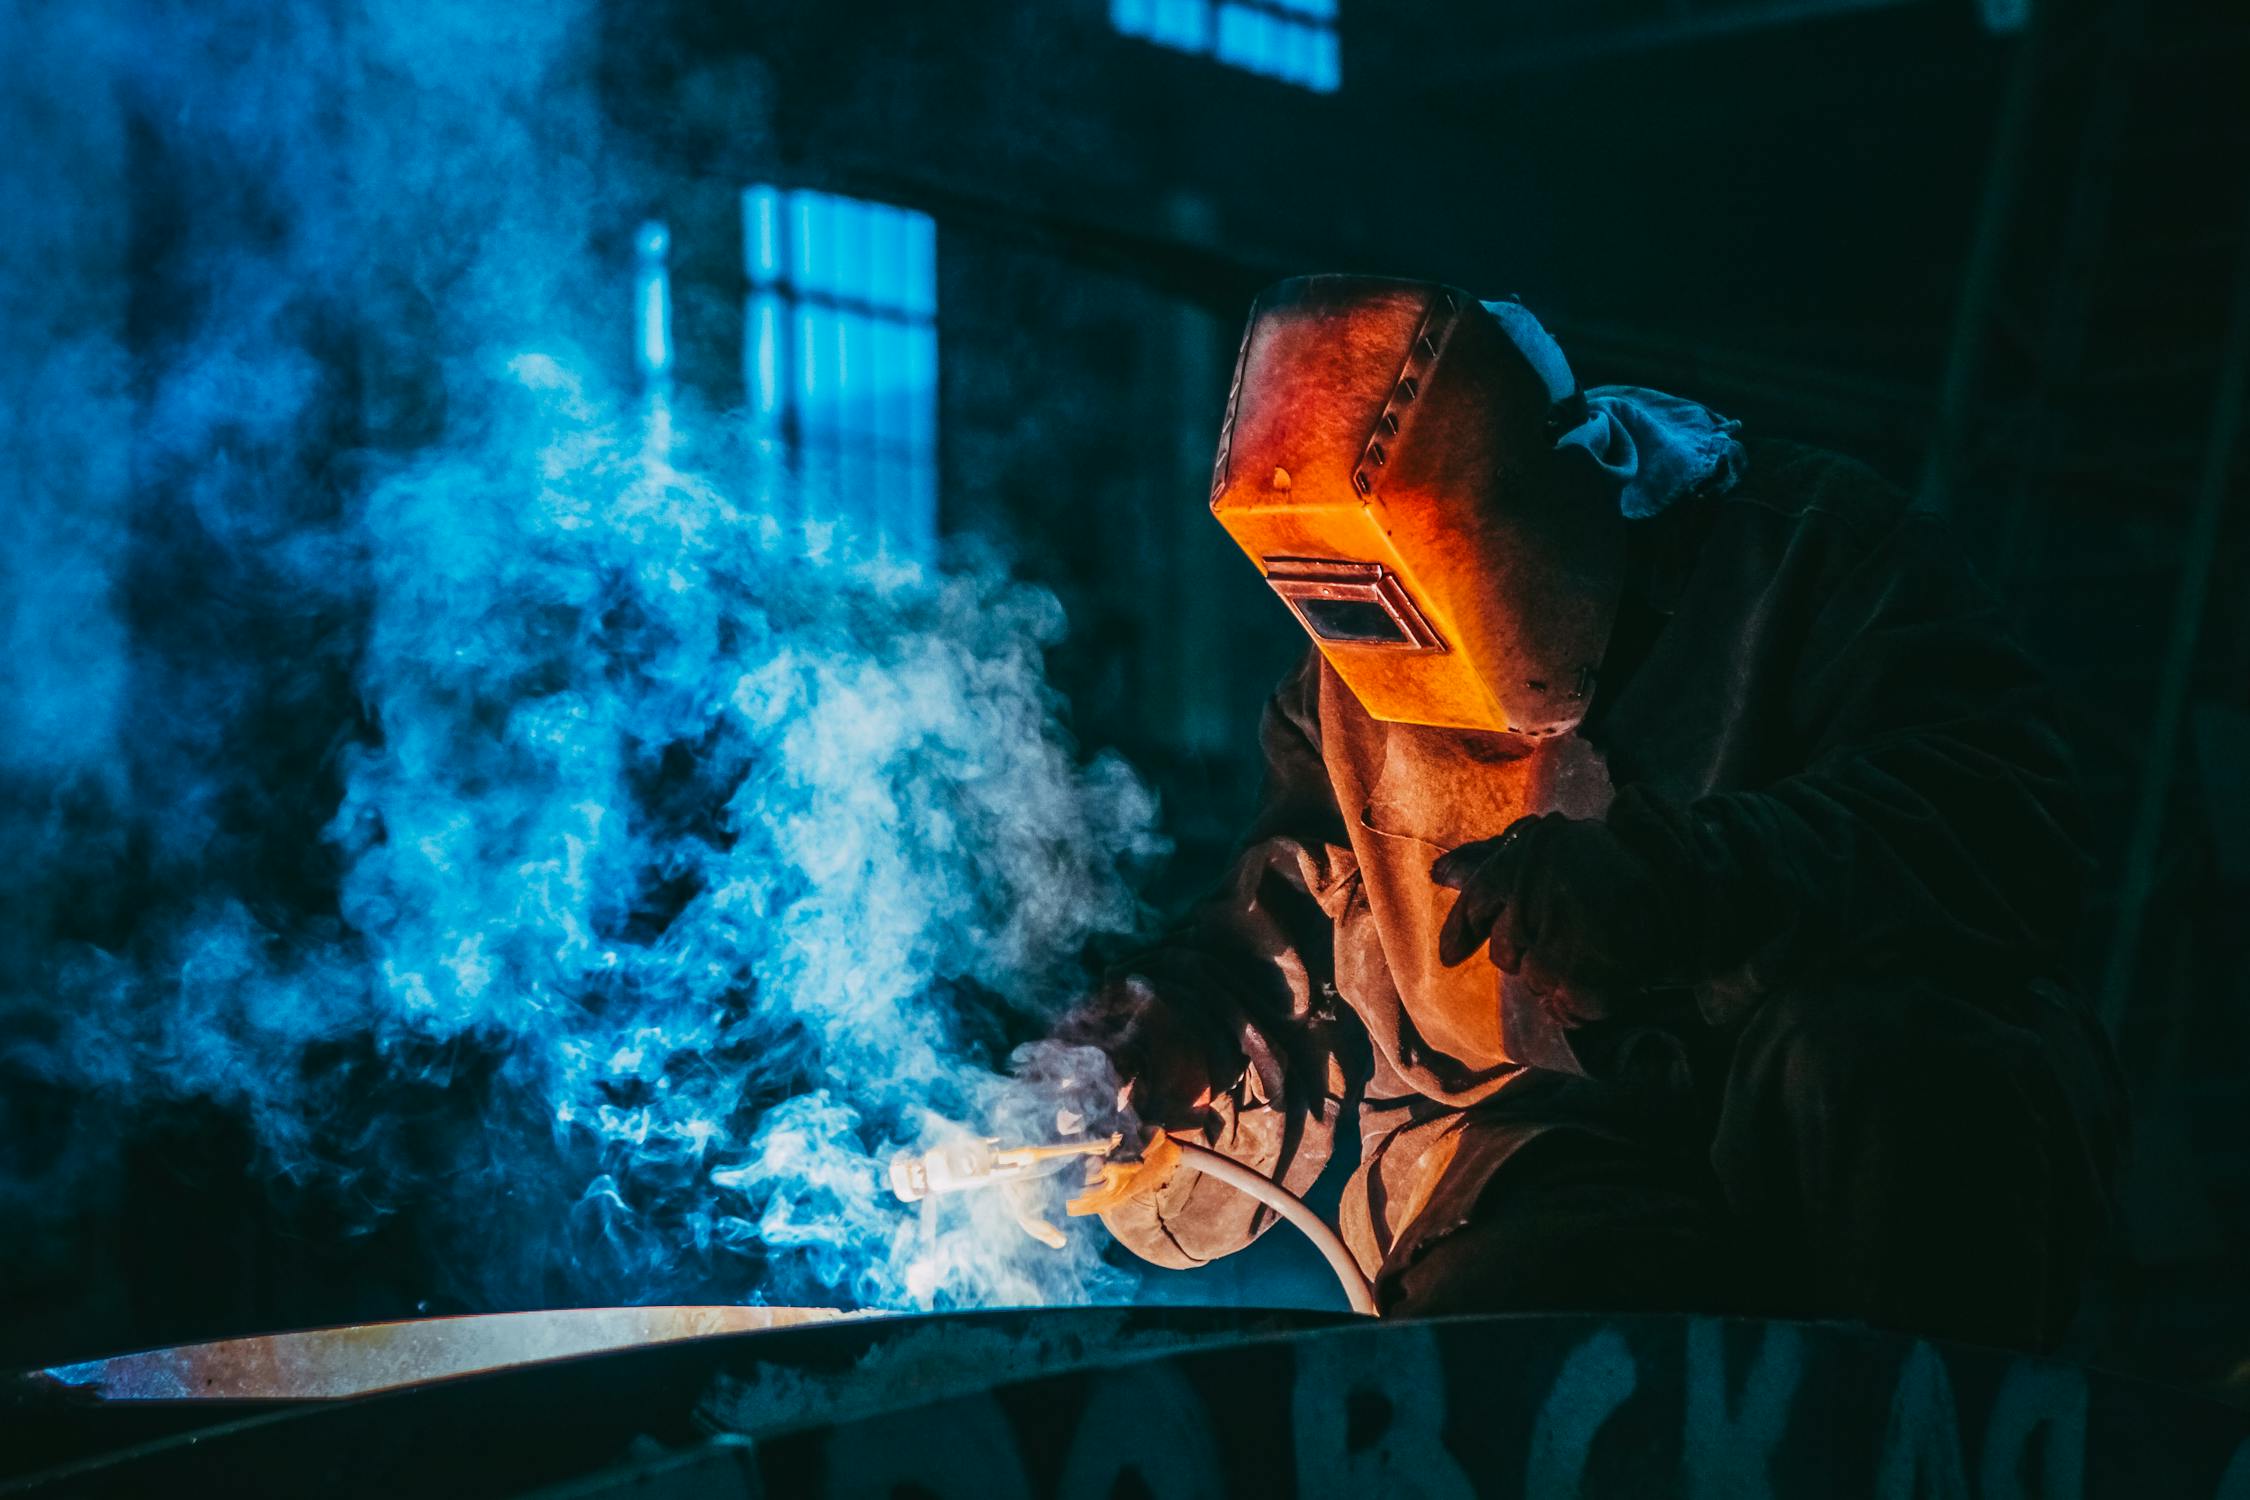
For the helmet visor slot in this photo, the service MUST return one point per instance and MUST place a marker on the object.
(1351, 604)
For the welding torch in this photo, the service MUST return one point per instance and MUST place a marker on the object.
(966, 1166)
(975, 1165)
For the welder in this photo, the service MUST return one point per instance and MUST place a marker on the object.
(1666, 862)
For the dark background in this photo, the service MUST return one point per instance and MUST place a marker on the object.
(2005, 263)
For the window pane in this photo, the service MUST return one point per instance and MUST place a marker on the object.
(653, 316)
(920, 273)
(762, 357)
(761, 235)
(1181, 23)
(919, 389)
(1327, 72)
(1293, 40)
(1133, 17)
(1242, 38)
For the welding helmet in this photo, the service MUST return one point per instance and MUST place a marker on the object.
(1389, 461)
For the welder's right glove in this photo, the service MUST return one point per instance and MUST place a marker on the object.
(1161, 1056)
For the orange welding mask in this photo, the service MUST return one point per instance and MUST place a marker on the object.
(1389, 462)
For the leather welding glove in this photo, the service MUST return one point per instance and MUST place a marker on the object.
(1161, 1056)
(1588, 912)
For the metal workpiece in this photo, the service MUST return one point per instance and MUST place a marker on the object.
(364, 1358)
(1065, 1402)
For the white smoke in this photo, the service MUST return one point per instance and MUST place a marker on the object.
(688, 862)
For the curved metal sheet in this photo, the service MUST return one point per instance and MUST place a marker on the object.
(1184, 1401)
(359, 1360)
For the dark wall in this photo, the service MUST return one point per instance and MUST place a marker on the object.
(1773, 222)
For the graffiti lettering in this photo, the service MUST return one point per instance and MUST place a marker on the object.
(1543, 1409)
(2235, 1483)
(2036, 1399)
(1595, 1381)
(1727, 1450)
(1922, 1446)
(1144, 1420)
(1378, 1430)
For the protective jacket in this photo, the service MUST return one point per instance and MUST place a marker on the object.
(1874, 785)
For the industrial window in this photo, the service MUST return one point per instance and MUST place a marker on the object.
(840, 357)
(652, 305)
(1293, 40)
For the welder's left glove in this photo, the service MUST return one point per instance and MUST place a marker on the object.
(1589, 913)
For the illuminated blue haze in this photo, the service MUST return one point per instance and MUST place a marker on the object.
(422, 714)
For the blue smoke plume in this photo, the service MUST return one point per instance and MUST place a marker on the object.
(442, 753)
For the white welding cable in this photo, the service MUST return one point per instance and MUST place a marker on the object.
(1291, 1207)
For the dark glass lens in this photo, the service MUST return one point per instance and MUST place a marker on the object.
(1351, 620)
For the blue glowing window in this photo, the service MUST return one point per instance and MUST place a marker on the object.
(1292, 40)
(652, 304)
(840, 356)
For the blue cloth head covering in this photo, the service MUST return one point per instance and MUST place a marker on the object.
(1656, 448)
